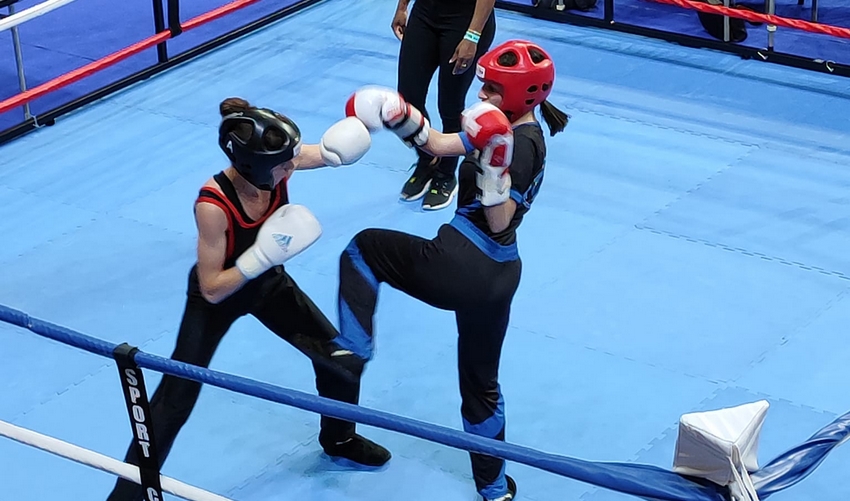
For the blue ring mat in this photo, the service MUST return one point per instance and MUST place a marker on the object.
(697, 261)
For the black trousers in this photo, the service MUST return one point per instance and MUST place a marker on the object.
(451, 273)
(434, 30)
(277, 301)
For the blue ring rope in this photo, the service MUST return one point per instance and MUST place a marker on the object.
(645, 481)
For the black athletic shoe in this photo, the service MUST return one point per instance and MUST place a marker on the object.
(441, 194)
(511, 491)
(359, 450)
(418, 183)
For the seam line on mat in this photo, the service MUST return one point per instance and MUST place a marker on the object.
(700, 377)
(681, 130)
(92, 218)
(106, 363)
(97, 215)
(698, 186)
(270, 466)
(745, 252)
(792, 335)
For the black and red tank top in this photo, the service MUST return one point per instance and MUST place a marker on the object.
(241, 229)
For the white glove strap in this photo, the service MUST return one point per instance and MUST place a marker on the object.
(495, 186)
(495, 182)
(406, 122)
(421, 139)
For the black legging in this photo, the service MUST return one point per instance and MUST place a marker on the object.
(434, 30)
(277, 301)
(448, 272)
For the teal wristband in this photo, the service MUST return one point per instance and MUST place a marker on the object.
(472, 36)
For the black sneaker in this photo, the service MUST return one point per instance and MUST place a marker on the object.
(358, 450)
(441, 194)
(418, 183)
(511, 491)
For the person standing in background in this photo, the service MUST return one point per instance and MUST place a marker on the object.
(450, 35)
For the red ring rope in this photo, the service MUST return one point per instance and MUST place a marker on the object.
(95, 66)
(761, 18)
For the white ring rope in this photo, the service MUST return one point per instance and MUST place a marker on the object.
(101, 462)
(31, 13)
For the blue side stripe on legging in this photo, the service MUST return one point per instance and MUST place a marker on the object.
(360, 265)
(498, 488)
(491, 426)
(352, 335)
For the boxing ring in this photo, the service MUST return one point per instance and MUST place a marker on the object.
(697, 264)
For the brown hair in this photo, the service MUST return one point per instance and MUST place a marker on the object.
(272, 138)
(233, 105)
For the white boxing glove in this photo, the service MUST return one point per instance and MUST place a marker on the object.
(345, 142)
(284, 235)
(366, 104)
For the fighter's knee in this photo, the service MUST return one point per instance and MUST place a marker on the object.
(360, 241)
(360, 237)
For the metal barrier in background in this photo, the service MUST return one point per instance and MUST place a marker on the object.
(16, 44)
(167, 25)
(553, 10)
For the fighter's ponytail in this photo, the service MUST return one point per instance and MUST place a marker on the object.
(554, 118)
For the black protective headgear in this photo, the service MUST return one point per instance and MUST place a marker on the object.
(251, 157)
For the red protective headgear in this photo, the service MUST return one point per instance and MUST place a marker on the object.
(525, 84)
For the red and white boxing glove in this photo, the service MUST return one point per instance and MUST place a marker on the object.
(380, 107)
(366, 104)
(490, 132)
(407, 122)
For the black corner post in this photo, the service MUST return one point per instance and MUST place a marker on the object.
(139, 410)
(159, 27)
(174, 18)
